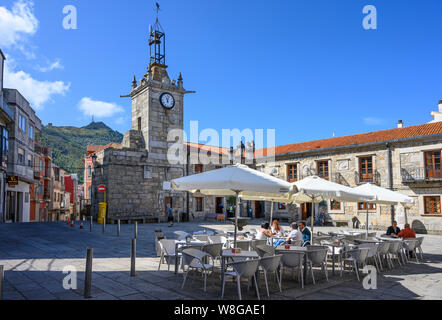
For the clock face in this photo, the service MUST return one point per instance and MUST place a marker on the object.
(167, 100)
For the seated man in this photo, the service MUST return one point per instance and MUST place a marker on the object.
(393, 230)
(407, 233)
(295, 234)
(306, 234)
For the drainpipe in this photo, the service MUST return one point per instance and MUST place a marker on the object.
(390, 177)
(187, 193)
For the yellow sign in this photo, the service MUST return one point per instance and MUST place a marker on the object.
(12, 181)
(102, 212)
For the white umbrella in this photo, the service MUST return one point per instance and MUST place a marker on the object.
(383, 196)
(238, 180)
(314, 189)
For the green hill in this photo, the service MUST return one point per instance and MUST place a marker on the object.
(69, 144)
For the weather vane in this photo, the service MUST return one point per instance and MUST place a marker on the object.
(158, 8)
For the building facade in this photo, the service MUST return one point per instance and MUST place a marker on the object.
(71, 186)
(57, 207)
(20, 157)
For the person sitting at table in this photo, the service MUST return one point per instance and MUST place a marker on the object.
(407, 233)
(393, 230)
(295, 234)
(264, 232)
(276, 229)
(306, 234)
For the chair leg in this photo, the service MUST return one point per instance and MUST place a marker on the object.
(205, 280)
(313, 274)
(277, 280)
(267, 286)
(421, 253)
(238, 281)
(223, 285)
(257, 289)
(356, 270)
(380, 262)
(324, 265)
(161, 260)
(185, 278)
(302, 277)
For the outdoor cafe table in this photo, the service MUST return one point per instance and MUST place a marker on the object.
(182, 244)
(227, 254)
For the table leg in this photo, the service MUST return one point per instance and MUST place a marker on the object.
(333, 261)
(305, 268)
(222, 270)
(176, 258)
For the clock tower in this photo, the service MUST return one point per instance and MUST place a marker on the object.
(157, 101)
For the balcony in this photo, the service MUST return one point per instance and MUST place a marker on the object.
(374, 178)
(423, 174)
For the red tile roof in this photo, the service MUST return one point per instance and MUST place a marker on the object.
(205, 147)
(95, 148)
(370, 137)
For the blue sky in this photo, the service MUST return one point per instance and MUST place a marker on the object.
(304, 68)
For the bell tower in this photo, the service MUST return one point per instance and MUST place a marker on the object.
(157, 101)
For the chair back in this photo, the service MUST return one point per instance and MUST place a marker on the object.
(411, 244)
(217, 239)
(421, 239)
(193, 257)
(360, 255)
(292, 258)
(384, 247)
(372, 234)
(317, 256)
(201, 237)
(167, 247)
(214, 249)
(245, 268)
(297, 243)
(271, 263)
(373, 248)
(256, 243)
(243, 245)
(264, 250)
(181, 235)
(395, 246)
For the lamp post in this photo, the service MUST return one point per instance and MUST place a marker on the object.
(94, 160)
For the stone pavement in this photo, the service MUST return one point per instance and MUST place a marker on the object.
(35, 254)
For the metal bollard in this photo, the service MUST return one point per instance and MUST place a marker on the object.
(136, 229)
(118, 228)
(88, 274)
(91, 223)
(2, 275)
(104, 225)
(133, 254)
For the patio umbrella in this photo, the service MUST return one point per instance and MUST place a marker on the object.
(383, 196)
(314, 189)
(238, 180)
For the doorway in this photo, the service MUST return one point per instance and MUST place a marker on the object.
(258, 209)
(11, 206)
(306, 210)
(219, 202)
(167, 201)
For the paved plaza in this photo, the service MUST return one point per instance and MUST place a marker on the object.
(34, 256)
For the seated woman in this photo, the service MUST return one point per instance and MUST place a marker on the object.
(264, 232)
(276, 229)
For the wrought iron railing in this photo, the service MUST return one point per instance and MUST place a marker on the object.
(374, 178)
(421, 174)
(339, 178)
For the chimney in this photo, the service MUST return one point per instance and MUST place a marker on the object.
(400, 124)
(440, 105)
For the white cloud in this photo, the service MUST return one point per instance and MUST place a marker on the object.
(35, 91)
(17, 23)
(51, 66)
(372, 121)
(120, 120)
(101, 109)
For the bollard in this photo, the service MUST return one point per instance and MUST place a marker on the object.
(2, 274)
(104, 225)
(91, 223)
(88, 274)
(136, 229)
(133, 253)
(118, 227)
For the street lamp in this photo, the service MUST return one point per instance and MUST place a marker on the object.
(94, 160)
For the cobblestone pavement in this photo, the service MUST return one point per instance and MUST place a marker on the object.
(35, 254)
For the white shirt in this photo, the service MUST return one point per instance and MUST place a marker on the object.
(295, 235)
(261, 236)
(279, 233)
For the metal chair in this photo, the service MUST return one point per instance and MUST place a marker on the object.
(201, 237)
(181, 235)
(214, 249)
(243, 245)
(242, 269)
(396, 252)
(194, 259)
(218, 239)
(168, 253)
(317, 257)
(383, 250)
(265, 250)
(355, 257)
(373, 253)
(293, 260)
(410, 245)
(419, 247)
(268, 265)
(256, 243)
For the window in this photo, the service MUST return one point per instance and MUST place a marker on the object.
(366, 169)
(323, 169)
(199, 204)
(335, 205)
(432, 205)
(432, 164)
(30, 160)
(42, 165)
(363, 206)
(198, 168)
(4, 146)
(21, 156)
(292, 172)
(282, 206)
(31, 131)
(22, 122)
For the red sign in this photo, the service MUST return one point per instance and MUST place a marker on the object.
(101, 188)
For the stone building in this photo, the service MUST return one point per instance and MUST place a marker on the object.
(406, 159)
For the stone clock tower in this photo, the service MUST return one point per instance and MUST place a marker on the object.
(157, 101)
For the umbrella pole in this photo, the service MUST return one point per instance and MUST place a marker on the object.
(405, 214)
(366, 221)
(271, 212)
(236, 218)
(312, 219)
